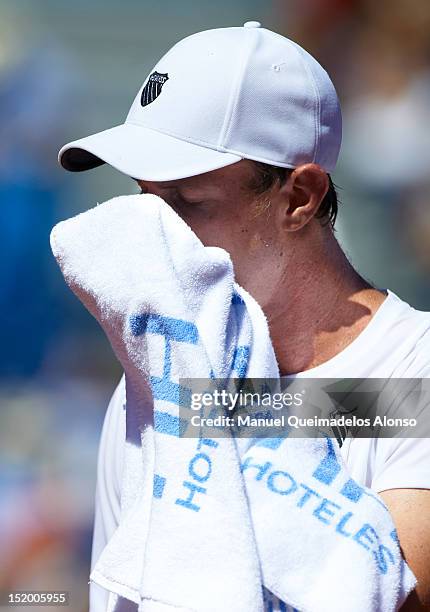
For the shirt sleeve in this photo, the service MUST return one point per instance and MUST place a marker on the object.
(108, 487)
(402, 463)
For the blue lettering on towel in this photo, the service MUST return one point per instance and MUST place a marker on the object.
(329, 467)
(324, 509)
(261, 469)
(188, 502)
(395, 537)
(341, 524)
(272, 443)
(307, 495)
(327, 470)
(158, 487)
(241, 360)
(200, 467)
(351, 490)
(275, 480)
(368, 536)
(164, 388)
(177, 330)
(169, 424)
(199, 470)
(382, 555)
(241, 353)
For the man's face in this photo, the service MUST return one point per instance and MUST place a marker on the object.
(223, 210)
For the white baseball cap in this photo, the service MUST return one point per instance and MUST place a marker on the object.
(215, 98)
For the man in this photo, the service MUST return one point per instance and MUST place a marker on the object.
(238, 130)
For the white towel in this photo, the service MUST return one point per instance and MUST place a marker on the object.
(205, 523)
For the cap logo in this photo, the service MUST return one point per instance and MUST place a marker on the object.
(153, 88)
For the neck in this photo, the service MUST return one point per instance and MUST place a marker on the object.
(319, 307)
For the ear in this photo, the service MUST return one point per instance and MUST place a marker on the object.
(303, 192)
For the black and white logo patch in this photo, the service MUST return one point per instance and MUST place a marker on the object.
(153, 88)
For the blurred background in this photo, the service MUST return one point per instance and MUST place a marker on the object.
(68, 69)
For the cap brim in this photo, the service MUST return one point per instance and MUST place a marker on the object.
(142, 153)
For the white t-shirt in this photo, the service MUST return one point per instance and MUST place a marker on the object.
(395, 344)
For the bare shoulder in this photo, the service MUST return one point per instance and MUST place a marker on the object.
(410, 510)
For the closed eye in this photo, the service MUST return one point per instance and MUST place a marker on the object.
(176, 199)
